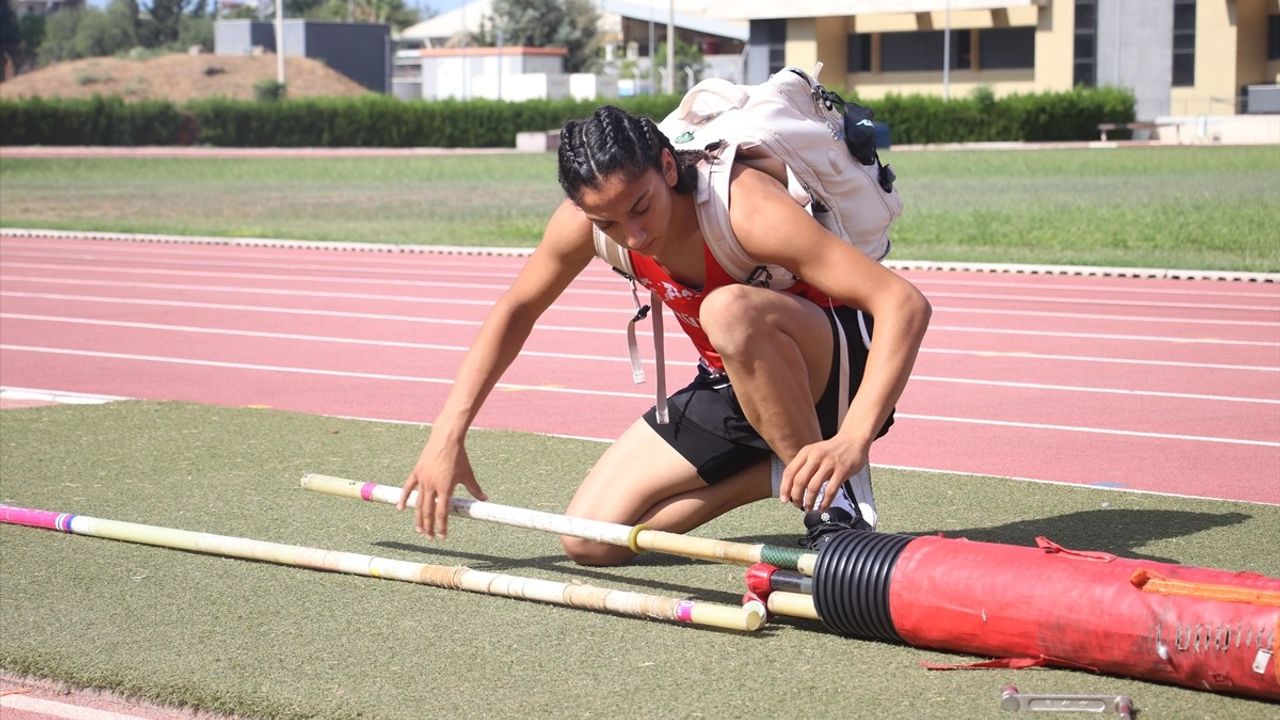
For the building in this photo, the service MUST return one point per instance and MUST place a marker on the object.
(629, 33)
(508, 73)
(361, 51)
(1178, 57)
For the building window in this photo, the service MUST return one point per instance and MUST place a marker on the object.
(859, 52)
(1184, 43)
(907, 51)
(1086, 46)
(1007, 48)
(776, 32)
(1273, 37)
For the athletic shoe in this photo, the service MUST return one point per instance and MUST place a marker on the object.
(821, 525)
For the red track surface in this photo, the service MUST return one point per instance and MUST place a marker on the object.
(1164, 386)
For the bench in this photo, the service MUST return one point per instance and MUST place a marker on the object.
(1104, 128)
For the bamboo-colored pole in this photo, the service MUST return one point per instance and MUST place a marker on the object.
(748, 617)
(792, 605)
(636, 537)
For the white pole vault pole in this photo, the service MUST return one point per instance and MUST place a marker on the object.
(750, 616)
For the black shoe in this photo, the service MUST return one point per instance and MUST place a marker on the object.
(821, 525)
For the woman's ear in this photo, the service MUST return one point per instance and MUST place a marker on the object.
(670, 169)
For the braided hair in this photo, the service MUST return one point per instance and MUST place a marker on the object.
(611, 141)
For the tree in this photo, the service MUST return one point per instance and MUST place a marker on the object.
(687, 55)
(89, 32)
(10, 36)
(163, 22)
(570, 24)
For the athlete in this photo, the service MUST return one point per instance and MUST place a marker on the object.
(763, 418)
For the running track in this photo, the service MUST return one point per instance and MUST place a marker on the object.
(1169, 386)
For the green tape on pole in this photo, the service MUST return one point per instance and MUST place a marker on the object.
(781, 557)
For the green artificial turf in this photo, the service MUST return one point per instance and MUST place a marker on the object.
(1181, 207)
(278, 642)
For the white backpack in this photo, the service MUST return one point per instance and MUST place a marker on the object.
(796, 130)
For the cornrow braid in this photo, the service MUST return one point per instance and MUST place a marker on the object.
(612, 141)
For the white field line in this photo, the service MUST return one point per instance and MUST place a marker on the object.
(341, 271)
(1262, 293)
(290, 292)
(312, 371)
(1095, 316)
(611, 280)
(73, 397)
(594, 273)
(934, 327)
(51, 708)
(995, 354)
(618, 288)
(1093, 301)
(313, 313)
(57, 396)
(1016, 268)
(937, 308)
(618, 358)
(596, 393)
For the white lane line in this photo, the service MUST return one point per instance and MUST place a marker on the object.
(1036, 298)
(312, 371)
(1082, 485)
(936, 308)
(1088, 389)
(1096, 316)
(342, 274)
(52, 708)
(617, 311)
(410, 249)
(57, 396)
(1015, 355)
(1272, 293)
(617, 289)
(593, 393)
(619, 358)
(934, 327)
(1094, 430)
(312, 313)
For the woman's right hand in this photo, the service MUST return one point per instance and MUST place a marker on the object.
(438, 471)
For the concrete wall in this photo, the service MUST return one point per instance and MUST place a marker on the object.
(1135, 51)
(361, 51)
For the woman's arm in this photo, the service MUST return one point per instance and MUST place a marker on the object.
(774, 229)
(565, 250)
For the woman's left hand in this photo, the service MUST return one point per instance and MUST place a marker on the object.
(819, 469)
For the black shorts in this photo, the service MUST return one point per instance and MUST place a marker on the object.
(709, 429)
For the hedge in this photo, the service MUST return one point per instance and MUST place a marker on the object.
(383, 121)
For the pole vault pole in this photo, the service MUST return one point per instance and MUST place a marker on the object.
(636, 537)
(747, 618)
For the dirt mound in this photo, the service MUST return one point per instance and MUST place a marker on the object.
(178, 78)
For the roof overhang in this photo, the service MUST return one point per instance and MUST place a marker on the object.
(772, 9)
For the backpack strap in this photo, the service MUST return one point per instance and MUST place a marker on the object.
(713, 217)
(620, 258)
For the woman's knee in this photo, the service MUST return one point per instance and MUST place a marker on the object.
(595, 554)
(736, 316)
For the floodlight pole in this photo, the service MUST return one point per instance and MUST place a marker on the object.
(280, 42)
(946, 54)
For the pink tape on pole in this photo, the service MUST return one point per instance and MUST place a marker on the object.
(46, 519)
(684, 611)
(366, 491)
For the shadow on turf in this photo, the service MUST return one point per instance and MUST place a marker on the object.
(1119, 531)
(560, 563)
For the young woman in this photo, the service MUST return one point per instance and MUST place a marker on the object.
(770, 376)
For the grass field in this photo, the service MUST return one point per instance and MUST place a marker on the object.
(275, 642)
(1202, 208)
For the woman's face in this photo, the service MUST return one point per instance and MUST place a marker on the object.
(634, 211)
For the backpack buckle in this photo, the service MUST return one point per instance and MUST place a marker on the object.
(760, 277)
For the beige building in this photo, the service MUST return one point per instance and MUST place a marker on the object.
(1179, 57)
